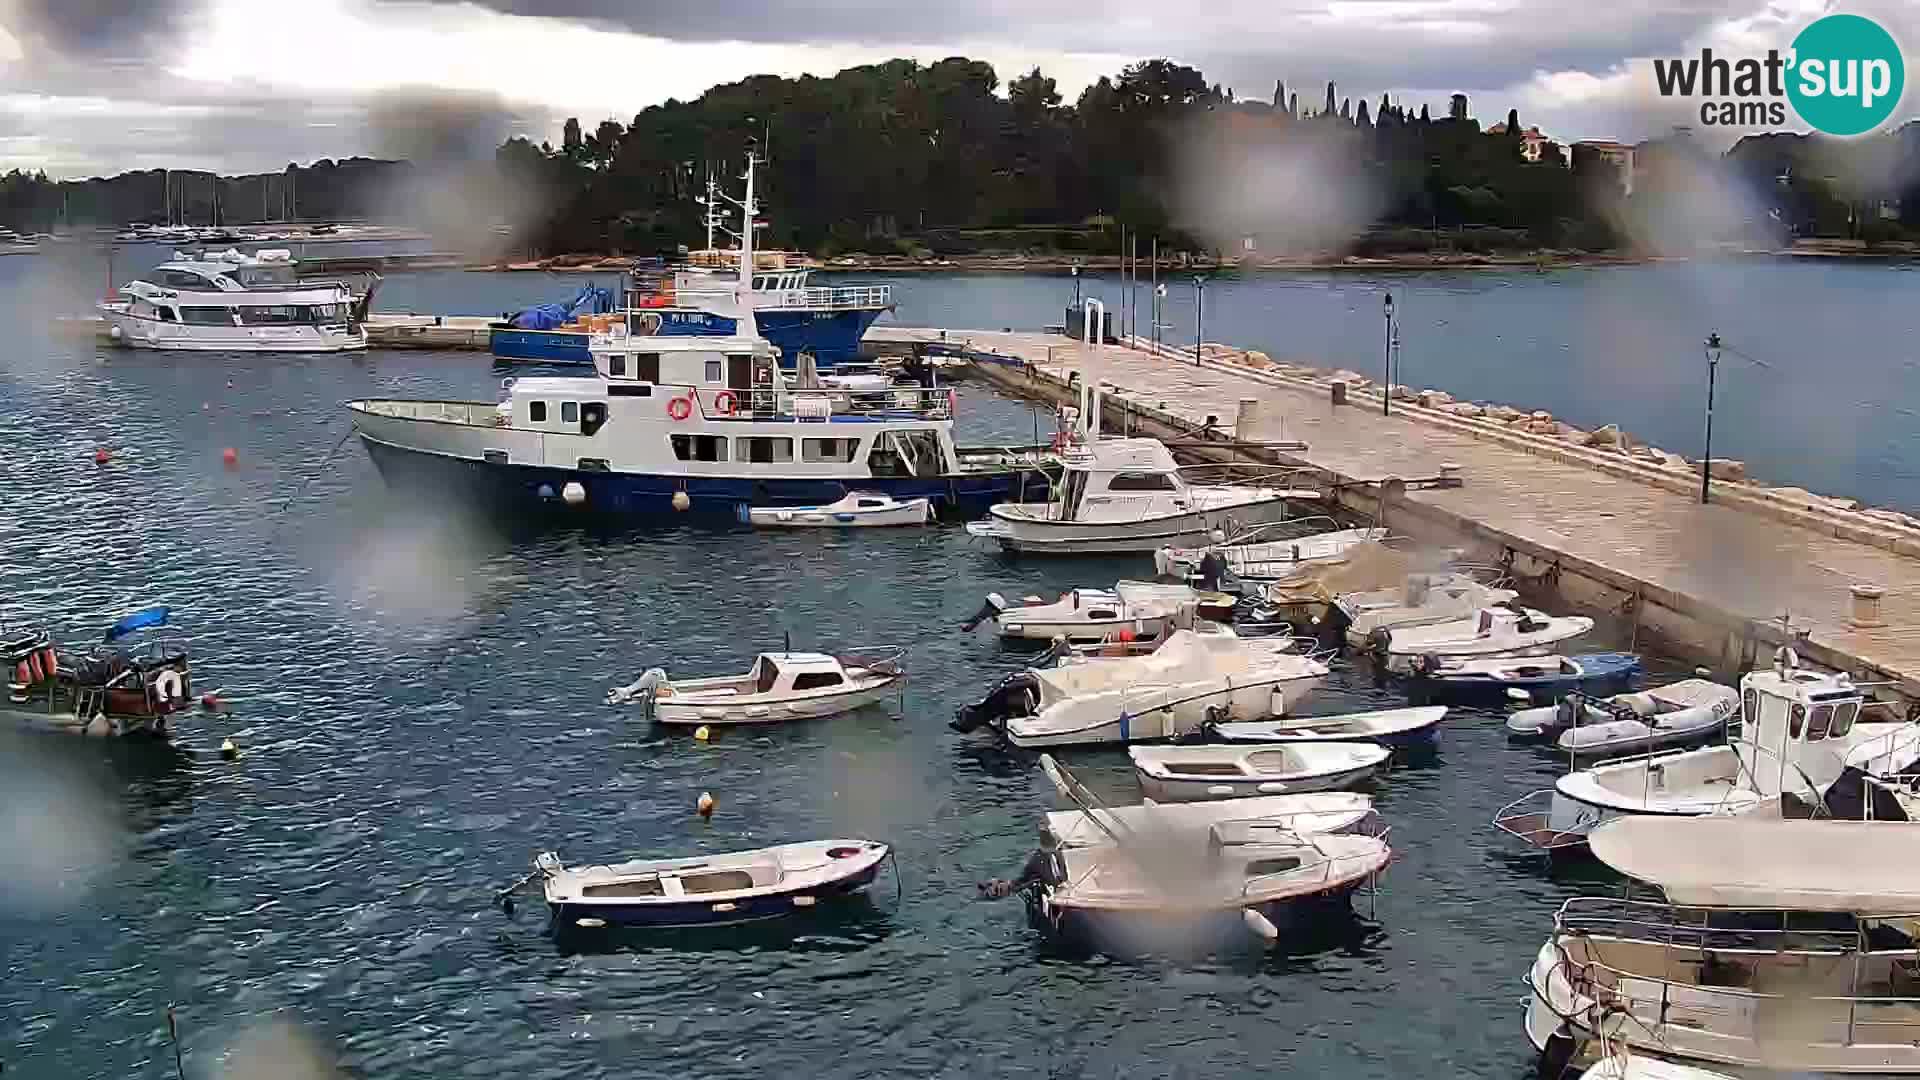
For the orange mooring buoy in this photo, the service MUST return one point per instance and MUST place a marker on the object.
(230, 457)
(102, 455)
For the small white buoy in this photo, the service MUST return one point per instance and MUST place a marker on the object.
(704, 807)
(573, 493)
(1260, 924)
(590, 924)
(702, 733)
(682, 501)
(228, 750)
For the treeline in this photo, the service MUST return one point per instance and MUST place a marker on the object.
(902, 157)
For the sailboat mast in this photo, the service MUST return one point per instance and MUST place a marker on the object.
(748, 211)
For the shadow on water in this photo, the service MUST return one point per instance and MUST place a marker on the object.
(1308, 933)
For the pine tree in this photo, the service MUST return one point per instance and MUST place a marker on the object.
(1293, 106)
(1381, 113)
(1279, 96)
(1363, 122)
(1328, 111)
(1424, 118)
(1346, 109)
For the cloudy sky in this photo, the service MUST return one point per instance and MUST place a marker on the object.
(99, 86)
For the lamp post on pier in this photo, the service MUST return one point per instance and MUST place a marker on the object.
(1199, 315)
(1076, 283)
(1706, 458)
(1386, 387)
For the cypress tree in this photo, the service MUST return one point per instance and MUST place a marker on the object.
(1293, 106)
(1329, 109)
(1346, 109)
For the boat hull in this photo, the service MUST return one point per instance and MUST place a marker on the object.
(142, 333)
(1602, 673)
(1035, 536)
(524, 488)
(917, 512)
(64, 721)
(833, 336)
(1134, 717)
(690, 912)
(1130, 931)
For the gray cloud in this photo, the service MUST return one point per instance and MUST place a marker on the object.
(122, 29)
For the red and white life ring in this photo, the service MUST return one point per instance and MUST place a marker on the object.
(680, 408)
(723, 403)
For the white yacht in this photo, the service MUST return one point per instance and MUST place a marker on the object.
(1782, 948)
(1801, 732)
(677, 424)
(236, 303)
(1421, 600)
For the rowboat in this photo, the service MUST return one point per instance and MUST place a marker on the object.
(860, 509)
(1195, 773)
(708, 890)
(1389, 727)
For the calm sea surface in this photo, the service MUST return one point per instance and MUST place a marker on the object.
(417, 700)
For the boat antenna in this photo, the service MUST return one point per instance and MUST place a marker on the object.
(173, 1036)
(789, 644)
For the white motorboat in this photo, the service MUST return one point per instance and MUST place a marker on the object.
(1493, 631)
(708, 890)
(1389, 727)
(1190, 679)
(1801, 735)
(1314, 812)
(1267, 552)
(1197, 773)
(237, 303)
(1640, 1067)
(1167, 881)
(1423, 600)
(780, 686)
(1143, 609)
(860, 509)
(1781, 948)
(1684, 713)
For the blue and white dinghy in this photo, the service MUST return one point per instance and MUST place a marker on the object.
(860, 509)
(708, 890)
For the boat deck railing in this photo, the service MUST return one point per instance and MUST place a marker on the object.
(819, 405)
(452, 412)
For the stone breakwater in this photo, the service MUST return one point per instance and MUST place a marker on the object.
(1536, 429)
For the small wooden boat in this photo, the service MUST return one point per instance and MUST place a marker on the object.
(113, 689)
(780, 686)
(708, 890)
(1684, 713)
(1496, 679)
(860, 509)
(1389, 727)
(1195, 773)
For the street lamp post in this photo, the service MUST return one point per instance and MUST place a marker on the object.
(1076, 283)
(1386, 388)
(1199, 312)
(1706, 458)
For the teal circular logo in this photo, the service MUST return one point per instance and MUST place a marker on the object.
(1847, 75)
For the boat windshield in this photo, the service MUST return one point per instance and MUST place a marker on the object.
(767, 676)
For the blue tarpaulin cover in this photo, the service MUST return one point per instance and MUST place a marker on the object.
(590, 300)
(139, 620)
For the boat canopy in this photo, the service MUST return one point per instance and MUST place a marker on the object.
(1862, 867)
(1364, 567)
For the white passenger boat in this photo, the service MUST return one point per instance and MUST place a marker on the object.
(1144, 610)
(1683, 713)
(1198, 773)
(1388, 727)
(1190, 679)
(860, 509)
(1782, 948)
(1802, 745)
(708, 890)
(1268, 552)
(687, 424)
(1171, 884)
(1421, 600)
(236, 303)
(1493, 631)
(780, 686)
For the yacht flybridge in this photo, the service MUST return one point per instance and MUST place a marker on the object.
(705, 424)
(237, 303)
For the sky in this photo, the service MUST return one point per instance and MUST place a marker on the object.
(93, 87)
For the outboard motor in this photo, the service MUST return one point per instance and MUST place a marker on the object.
(995, 604)
(639, 690)
(1015, 695)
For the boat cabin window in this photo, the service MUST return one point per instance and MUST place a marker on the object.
(763, 450)
(166, 313)
(700, 447)
(1140, 481)
(841, 450)
(1102, 613)
(1281, 865)
(569, 412)
(616, 364)
(630, 391)
(1822, 721)
(768, 675)
(913, 453)
(740, 370)
(715, 372)
(1844, 715)
(276, 315)
(266, 275)
(178, 279)
(646, 366)
(1750, 707)
(1796, 720)
(207, 316)
(593, 416)
(814, 680)
(537, 411)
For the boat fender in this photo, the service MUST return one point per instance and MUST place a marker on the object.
(680, 408)
(169, 686)
(724, 403)
(1260, 924)
(574, 493)
(682, 501)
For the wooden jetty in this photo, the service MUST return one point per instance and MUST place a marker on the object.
(1722, 583)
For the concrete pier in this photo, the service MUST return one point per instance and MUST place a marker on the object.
(1594, 530)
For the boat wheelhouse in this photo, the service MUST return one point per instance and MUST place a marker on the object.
(1783, 946)
(236, 303)
(699, 424)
